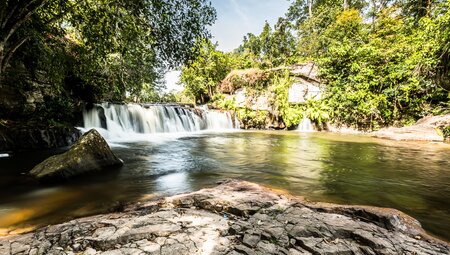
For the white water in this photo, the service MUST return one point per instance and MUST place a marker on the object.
(305, 126)
(132, 120)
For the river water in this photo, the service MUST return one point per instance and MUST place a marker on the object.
(412, 177)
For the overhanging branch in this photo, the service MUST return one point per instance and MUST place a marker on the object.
(11, 52)
(23, 16)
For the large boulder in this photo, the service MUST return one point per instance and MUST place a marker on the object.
(89, 153)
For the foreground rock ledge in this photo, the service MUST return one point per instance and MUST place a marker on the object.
(233, 218)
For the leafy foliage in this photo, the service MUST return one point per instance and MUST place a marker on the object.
(270, 48)
(381, 62)
(202, 75)
(378, 75)
(446, 132)
(99, 50)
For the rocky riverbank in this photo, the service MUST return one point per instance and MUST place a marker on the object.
(15, 136)
(426, 129)
(429, 129)
(233, 218)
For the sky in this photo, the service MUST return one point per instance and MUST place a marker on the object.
(236, 18)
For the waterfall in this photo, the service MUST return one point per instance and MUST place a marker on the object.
(305, 126)
(121, 120)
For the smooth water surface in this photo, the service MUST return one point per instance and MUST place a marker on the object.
(412, 177)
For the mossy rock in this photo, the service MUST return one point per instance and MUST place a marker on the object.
(89, 153)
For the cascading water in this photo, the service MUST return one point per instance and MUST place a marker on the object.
(305, 126)
(123, 120)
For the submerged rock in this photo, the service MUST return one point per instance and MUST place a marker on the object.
(234, 218)
(89, 153)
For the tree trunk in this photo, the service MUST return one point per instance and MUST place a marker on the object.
(202, 99)
(2, 52)
(210, 91)
(310, 8)
(345, 5)
(374, 12)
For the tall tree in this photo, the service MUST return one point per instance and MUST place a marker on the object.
(201, 75)
(282, 46)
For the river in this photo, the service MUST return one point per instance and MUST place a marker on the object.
(346, 169)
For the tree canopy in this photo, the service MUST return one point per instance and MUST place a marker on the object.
(103, 46)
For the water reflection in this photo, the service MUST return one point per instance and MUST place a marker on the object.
(173, 183)
(412, 177)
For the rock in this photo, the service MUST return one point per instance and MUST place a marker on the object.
(308, 71)
(425, 129)
(20, 137)
(410, 133)
(302, 90)
(259, 221)
(89, 153)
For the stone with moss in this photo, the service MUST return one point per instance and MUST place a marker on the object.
(89, 153)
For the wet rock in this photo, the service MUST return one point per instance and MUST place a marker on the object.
(265, 223)
(18, 137)
(89, 153)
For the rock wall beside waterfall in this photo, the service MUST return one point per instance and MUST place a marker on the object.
(19, 137)
(260, 97)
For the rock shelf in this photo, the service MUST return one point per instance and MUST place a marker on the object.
(235, 217)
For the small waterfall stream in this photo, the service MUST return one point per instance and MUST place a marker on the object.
(122, 120)
(305, 126)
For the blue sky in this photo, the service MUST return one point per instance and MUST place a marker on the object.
(236, 18)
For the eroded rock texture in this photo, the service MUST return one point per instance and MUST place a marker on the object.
(233, 218)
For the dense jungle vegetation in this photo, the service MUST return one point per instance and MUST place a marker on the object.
(381, 62)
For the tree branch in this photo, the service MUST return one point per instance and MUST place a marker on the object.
(12, 13)
(27, 14)
(11, 52)
(4, 19)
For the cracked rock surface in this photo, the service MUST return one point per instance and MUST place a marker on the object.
(233, 218)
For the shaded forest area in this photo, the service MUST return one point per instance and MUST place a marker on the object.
(57, 55)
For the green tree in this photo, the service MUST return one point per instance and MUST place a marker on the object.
(282, 45)
(202, 75)
(122, 42)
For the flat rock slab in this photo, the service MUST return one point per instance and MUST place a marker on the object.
(412, 133)
(233, 218)
(426, 129)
